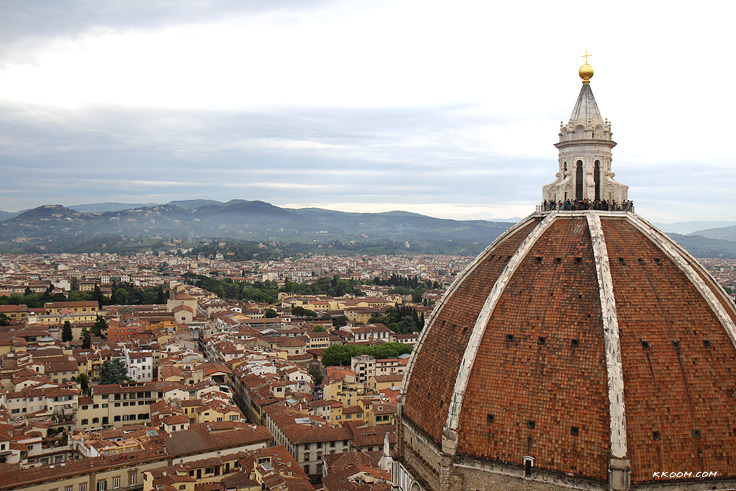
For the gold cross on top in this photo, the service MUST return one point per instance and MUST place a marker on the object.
(585, 56)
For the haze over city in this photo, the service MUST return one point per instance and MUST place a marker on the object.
(449, 110)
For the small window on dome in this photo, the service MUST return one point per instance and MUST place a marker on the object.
(542, 340)
(622, 261)
(676, 344)
(696, 433)
(706, 344)
(578, 260)
(640, 260)
(558, 260)
(531, 424)
(538, 259)
(574, 343)
(490, 418)
(656, 435)
(574, 430)
(645, 344)
(657, 261)
(509, 338)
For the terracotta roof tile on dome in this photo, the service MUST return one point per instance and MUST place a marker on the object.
(572, 339)
(443, 349)
(557, 301)
(683, 380)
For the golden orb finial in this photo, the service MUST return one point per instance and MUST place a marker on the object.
(586, 71)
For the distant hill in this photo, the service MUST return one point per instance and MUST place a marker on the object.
(195, 203)
(700, 246)
(723, 233)
(691, 228)
(56, 228)
(7, 214)
(103, 207)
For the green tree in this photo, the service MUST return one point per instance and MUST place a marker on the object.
(160, 295)
(316, 373)
(100, 327)
(78, 296)
(339, 321)
(86, 338)
(98, 296)
(66, 332)
(119, 296)
(340, 354)
(301, 312)
(319, 329)
(113, 372)
(4, 320)
(270, 314)
(83, 381)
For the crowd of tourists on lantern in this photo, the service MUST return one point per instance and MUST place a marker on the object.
(587, 204)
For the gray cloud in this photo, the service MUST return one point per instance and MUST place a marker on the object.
(283, 155)
(50, 18)
(483, 156)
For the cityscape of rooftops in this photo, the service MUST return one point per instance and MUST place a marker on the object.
(227, 227)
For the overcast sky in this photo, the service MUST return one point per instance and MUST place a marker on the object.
(449, 109)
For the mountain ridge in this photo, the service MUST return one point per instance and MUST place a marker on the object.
(55, 227)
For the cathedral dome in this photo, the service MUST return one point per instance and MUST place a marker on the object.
(578, 339)
(582, 349)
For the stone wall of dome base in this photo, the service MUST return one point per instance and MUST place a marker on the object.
(426, 467)
(701, 485)
(423, 461)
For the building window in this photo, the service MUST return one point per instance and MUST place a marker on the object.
(115, 482)
(102, 485)
(131, 479)
(83, 487)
